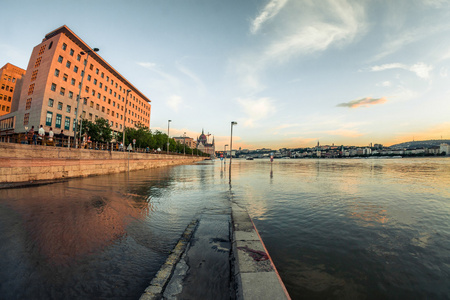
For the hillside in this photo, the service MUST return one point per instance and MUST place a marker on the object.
(420, 144)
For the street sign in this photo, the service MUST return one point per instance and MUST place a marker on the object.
(134, 141)
(129, 147)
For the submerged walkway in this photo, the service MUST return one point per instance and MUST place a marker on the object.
(219, 256)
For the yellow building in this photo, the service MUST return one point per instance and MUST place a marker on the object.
(58, 68)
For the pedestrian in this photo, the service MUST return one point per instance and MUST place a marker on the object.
(31, 135)
(41, 133)
(61, 137)
(50, 136)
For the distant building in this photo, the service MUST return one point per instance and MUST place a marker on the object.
(10, 77)
(444, 148)
(190, 142)
(52, 83)
(204, 146)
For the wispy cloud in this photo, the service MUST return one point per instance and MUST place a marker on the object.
(421, 69)
(270, 10)
(346, 22)
(363, 102)
(174, 102)
(256, 110)
(345, 133)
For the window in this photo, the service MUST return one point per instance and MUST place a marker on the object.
(98, 95)
(93, 92)
(28, 104)
(68, 108)
(64, 46)
(85, 62)
(75, 69)
(107, 111)
(71, 52)
(104, 98)
(41, 51)
(56, 72)
(100, 84)
(62, 91)
(103, 109)
(107, 78)
(91, 67)
(96, 71)
(78, 57)
(34, 75)
(95, 81)
(67, 123)
(68, 63)
(31, 89)
(70, 95)
(114, 103)
(38, 62)
(89, 78)
(84, 100)
(115, 94)
(53, 88)
(86, 89)
(73, 124)
(26, 118)
(50, 102)
(65, 76)
(90, 116)
(112, 123)
(72, 81)
(58, 121)
(82, 73)
(109, 101)
(92, 104)
(106, 88)
(60, 59)
(110, 91)
(103, 75)
(49, 118)
(60, 105)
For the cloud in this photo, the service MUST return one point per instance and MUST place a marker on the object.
(346, 21)
(345, 133)
(270, 11)
(363, 102)
(174, 102)
(422, 70)
(385, 83)
(256, 109)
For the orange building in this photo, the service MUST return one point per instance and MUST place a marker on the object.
(10, 77)
(58, 68)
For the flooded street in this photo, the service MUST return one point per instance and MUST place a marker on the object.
(336, 229)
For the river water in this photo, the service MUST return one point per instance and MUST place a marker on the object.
(336, 229)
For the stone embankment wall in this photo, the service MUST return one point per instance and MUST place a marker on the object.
(25, 163)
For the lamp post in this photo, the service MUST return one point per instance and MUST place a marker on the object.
(231, 142)
(225, 154)
(79, 93)
(168, 131)
(124, 118)
(81, 119)
(184, 143)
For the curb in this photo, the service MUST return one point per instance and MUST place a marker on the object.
(255, 274)
(159, 282)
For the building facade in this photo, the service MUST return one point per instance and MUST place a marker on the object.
(190, 142)
(204, 146)
(60, 69)
(10, 78)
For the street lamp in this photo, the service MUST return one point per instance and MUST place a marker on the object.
(79, 93)
(124, 118)
(184, 143)
(81, 119)
(225, 154)
(168, 130)
(231, 142)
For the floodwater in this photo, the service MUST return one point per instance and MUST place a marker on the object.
(335, 228)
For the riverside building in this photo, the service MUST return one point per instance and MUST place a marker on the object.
(58, 68)
(10, 77)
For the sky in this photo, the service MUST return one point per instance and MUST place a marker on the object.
(291, 73)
